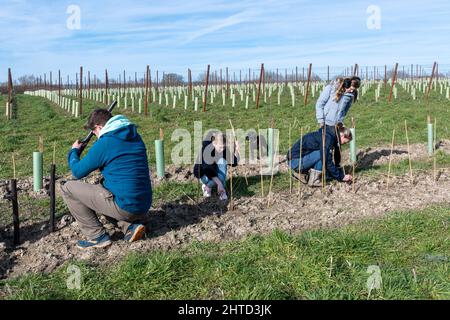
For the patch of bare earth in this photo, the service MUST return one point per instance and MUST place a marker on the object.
(179, 223)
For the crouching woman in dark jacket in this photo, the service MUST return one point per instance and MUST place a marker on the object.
(312, 155)
(211, 165)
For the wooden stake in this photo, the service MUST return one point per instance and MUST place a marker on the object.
(52, 197)
(430, 83)
(15, 207)
(355, 70)
(394, 78)
(308, 84)
(409, 154)
(80, 110)
(106, 86)
(259, 85)
(390, 158)
(147, 76)
(14, 166)
(54, 152)
(206, 90)
(161, 134)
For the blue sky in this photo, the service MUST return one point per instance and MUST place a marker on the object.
(175, 35)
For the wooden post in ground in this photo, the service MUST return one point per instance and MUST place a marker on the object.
(228, 84)
(147, 75)
(59, 86)
(52, 192)
(355, 70)
(394, 78)
(259, 85)
(189, 83)
(106, 86)
(206, 89)
(89, 85)
(9, 107)
(430, 83)
(80, 110)
(15, 207)
(308, 84)
(385, 77)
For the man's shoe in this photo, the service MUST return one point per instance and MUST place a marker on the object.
(315, 178)
(100, 242)
(302, 177)
(135, 232)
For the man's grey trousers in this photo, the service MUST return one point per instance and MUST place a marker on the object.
(85, 201)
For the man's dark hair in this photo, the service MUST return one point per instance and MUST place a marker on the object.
(98, 117)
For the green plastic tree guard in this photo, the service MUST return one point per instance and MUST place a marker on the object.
(270, 136)
(37, 170)
(353, 146)
(159, 155)
(430, 139)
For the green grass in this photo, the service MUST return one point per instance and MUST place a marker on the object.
(374, 122)
(322, 264)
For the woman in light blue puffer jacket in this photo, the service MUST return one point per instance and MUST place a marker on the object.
(335, 101)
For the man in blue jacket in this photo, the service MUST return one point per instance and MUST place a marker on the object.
(312, 155)
(125, 194)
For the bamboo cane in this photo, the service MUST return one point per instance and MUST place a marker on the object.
(390, 158)
(354, 162)
(231, 167)
(300, 161)
(260, 165)
(323, 158)
(409, 154)
(290, 157)
(434, 153)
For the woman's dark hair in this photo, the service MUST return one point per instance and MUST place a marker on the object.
(97, 117)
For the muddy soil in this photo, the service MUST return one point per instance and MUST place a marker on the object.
(176, 224)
